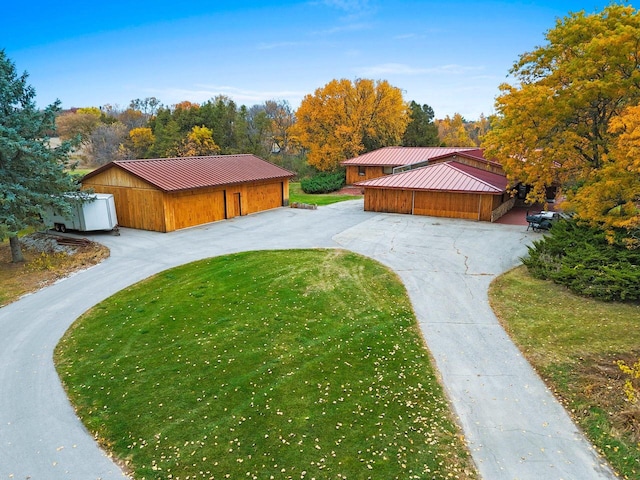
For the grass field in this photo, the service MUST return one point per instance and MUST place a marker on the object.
(574, 343)
(275, 364)
(297, 195)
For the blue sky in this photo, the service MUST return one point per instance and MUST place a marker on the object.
(450, 55)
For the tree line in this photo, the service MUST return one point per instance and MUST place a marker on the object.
(340, 120)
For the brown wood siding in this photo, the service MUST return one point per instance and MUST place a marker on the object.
(141, 205)
(479, 164)
(444, 204)
(369, 172)
(499, 200)
(138, 203)
(256, 197)
(193, 207)
(140, 208)
(486, 207)
(262, 196)
(472, 206)
(117, 177)
(387, 200)
(233, 202)
(285, 192)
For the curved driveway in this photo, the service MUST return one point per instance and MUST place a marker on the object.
(513, 426)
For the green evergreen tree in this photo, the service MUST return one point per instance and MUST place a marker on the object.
(167, 134)
(421, 130)
(32, 173)
(220, 114)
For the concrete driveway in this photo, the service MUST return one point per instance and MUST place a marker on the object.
(514, 427)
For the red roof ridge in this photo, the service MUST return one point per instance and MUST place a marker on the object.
(423, 178)
(187, 173)
(396, 155)
(191, 157)
(467, 154)
(457, 164)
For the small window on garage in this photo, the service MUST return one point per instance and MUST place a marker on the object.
(361, 171)
(387, 170)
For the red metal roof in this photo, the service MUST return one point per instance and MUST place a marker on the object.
(397, 156)
(186, 173)
(447, 176)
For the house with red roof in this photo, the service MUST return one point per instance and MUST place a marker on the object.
(461, 187)
(385, 161)
(167, 194)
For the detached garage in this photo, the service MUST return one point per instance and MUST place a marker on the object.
(167, 194)
(446, 189)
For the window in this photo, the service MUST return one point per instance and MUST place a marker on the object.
(361, 171)
(387, 170)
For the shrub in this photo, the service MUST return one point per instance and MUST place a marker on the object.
(323, 182)
(582, 259)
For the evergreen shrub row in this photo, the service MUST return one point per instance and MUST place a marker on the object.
(581, 258)
(323, 182)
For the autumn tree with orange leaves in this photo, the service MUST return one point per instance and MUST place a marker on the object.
(610, 195)
(452, 132)
(570, 118)
(344, 119)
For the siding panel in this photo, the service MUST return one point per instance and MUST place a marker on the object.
(445, 204)
(118, 178)
(135, 207)
(352, 175)
(389, 201)
(263, 196)
(193, 207)
(486, 207)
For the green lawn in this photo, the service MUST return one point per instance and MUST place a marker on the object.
(297, 195)
(574, 343)
(272, 364)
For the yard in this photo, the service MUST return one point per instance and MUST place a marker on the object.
(275, 364)
(574, 343)
(297, 195)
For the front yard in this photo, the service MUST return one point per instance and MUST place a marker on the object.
(574, 344)
(273, 364)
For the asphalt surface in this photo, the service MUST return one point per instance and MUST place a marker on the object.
(514, 427)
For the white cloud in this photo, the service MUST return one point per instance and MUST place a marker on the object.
(349, 5)
(403, 69)
(391, 69)
(455, 69)
(355, 17)
(202, 93)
